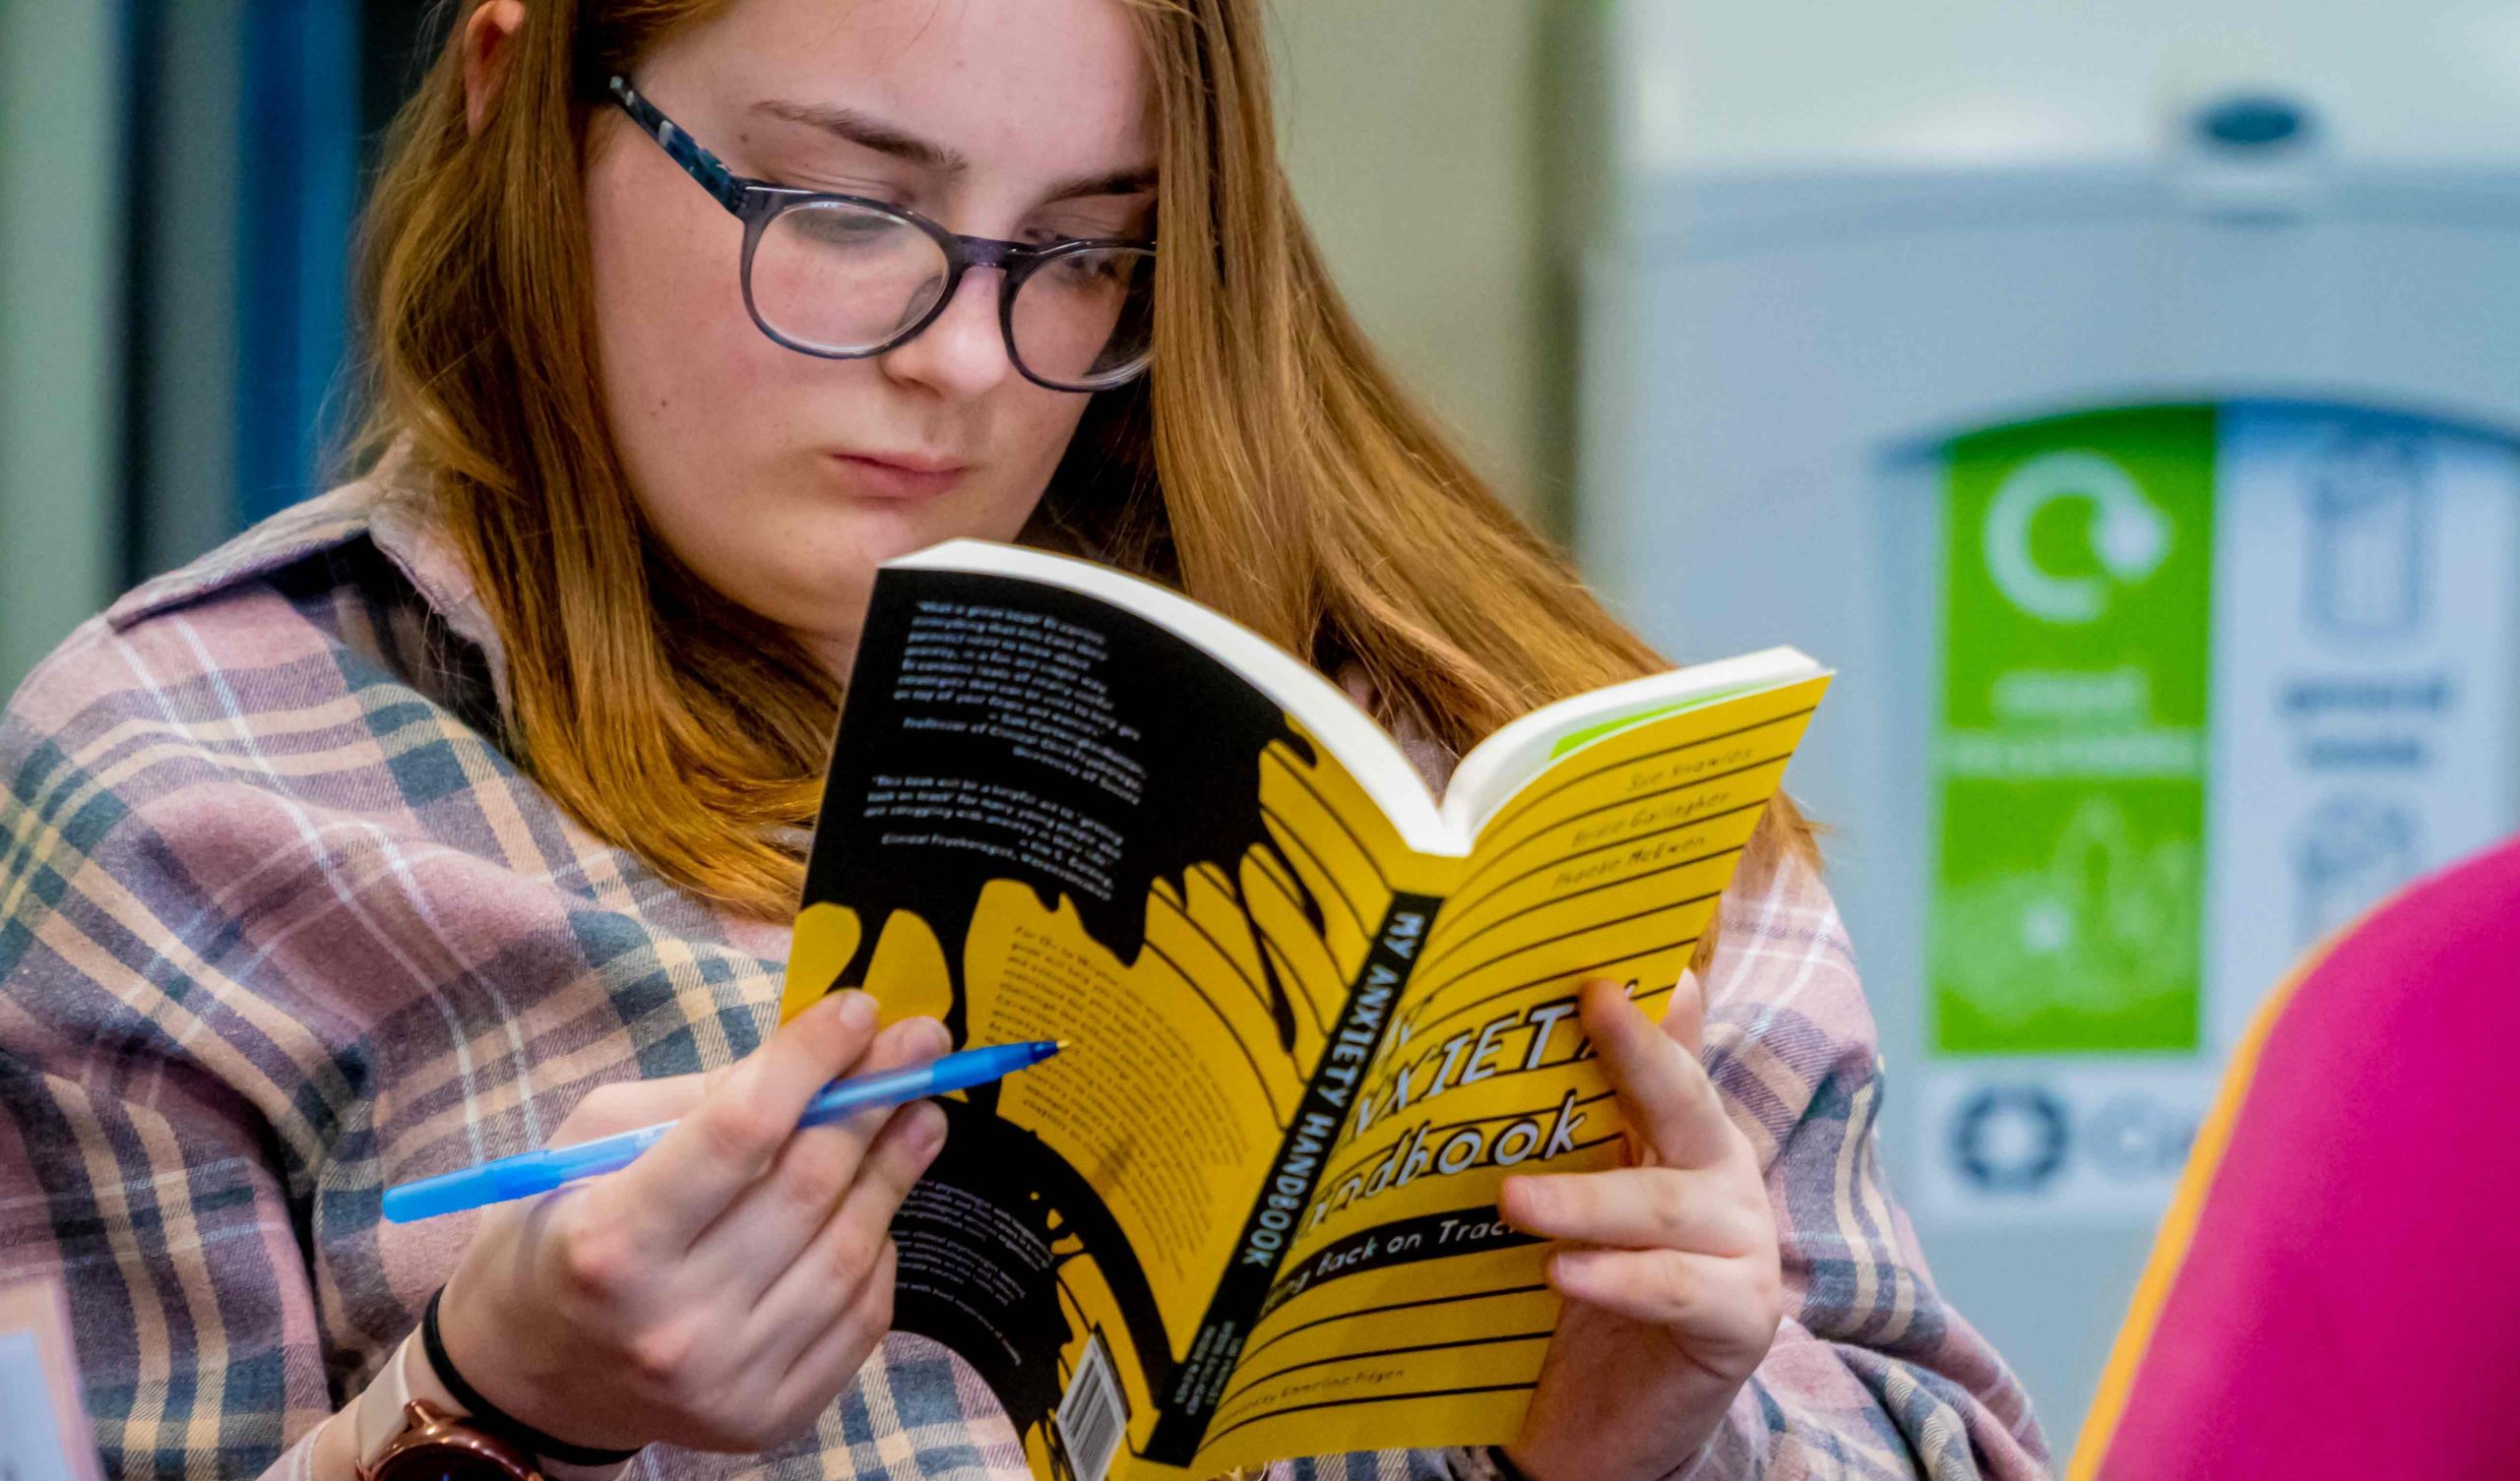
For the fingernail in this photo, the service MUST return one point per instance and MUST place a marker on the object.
(928, 1132)
(933, 1037)
(856, 1010)
(1571, 1265)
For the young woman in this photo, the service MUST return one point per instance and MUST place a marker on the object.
(461, 810)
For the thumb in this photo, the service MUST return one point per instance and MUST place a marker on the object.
(1684, 1017)
(627, 1105)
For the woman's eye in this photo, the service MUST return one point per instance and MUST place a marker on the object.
(842, 225)
(1088, 270)
(1046, 237)
(880, 192)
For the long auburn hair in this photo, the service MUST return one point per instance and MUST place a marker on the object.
(1268, 465)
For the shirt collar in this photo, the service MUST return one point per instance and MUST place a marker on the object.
(391, 508)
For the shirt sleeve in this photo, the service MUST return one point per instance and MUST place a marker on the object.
(145, 1115)
(1872, 1374)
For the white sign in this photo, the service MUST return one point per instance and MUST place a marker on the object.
(2367, 582)
(2067, 1139)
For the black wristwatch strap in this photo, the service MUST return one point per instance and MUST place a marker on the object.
(491, 1419)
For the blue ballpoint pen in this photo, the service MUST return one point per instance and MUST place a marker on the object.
(530, 1173)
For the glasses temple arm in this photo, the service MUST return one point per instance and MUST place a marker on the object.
(698, 162)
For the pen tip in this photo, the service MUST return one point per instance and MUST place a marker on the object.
(1061, 1044)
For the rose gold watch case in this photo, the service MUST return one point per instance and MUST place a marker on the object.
(426, 1428)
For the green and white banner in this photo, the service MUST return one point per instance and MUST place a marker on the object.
(2210, 682)
(2070, 760)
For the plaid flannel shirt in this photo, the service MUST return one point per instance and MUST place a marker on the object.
(283, 924)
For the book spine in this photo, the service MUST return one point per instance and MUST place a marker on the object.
(1320, 1120)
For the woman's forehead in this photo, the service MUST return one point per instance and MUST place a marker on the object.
(1060, 86)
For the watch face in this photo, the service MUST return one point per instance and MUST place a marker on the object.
(441, 1462)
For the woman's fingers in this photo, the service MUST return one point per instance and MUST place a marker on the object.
(1684, 1017)
(681, 1185)
(764, 1230)
(1727, 1309)
(1663, 1089)
(909, 1144)
(808, 1293)
(1638, 1208)
(830, 1357)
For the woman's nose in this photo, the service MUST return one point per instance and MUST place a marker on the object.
(963, 353)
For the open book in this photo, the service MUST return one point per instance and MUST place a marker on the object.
(1316, 1014)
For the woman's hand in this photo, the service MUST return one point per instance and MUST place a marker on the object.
(720, 1290)
(1673, 1291)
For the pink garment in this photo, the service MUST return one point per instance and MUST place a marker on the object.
(2346, 1305)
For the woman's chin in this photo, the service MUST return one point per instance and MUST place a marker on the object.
(874, 530)
(816, 574)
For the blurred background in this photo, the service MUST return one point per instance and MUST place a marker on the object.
(2122, 396)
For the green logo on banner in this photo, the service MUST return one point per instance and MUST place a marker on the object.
(2069, 751)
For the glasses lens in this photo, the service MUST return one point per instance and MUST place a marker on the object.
(844, 279)
(1084, 319)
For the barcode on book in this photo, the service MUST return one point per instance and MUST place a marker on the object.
(1092, 1418)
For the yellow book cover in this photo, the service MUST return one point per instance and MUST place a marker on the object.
(1315, 1013)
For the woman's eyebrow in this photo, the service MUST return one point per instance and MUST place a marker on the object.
(870, 132)
(1118, 182)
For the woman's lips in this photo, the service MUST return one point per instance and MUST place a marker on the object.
(889, 476)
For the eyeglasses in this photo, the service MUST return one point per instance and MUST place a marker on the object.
(844, 278)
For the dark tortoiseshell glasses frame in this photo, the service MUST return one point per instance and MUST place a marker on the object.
(757, 204)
